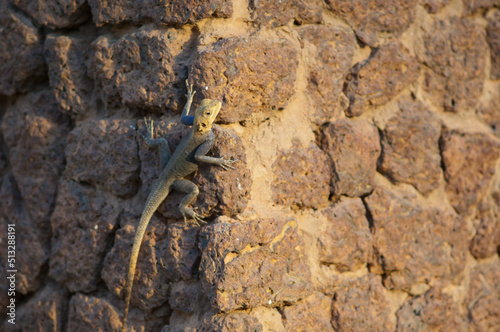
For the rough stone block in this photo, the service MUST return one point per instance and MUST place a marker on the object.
(377, 80)
(21, 52)
(410, 147)
(471, 6)
(143, 70)
(276, 13)
(454, 54)
(428, 246)
(493, 39)
(246, 264)
(469, 161)
(247, 74)
(43, 312)
(55, 14)
(489, 112)
(329, 55)
(361, 304)
(354, 148)
(89, 313)
(168, 253)
(486, 241)
(346, 240)
(311, 314)
(431, 311)
(368, 18)
(66, 58)
(234, 321)
(301, 177)
(433, 6)
(176, 12)
(83, 225)
(35, 132)
(104, 153)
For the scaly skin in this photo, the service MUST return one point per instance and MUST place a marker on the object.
(188, 154)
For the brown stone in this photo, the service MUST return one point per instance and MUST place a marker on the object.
(32, 248)
(104, 153)
(346, 240)
(70, 84)
(55, 14)
(21, 48)
(329, 52)
(483, 299)
(301, 177)
(486, 241)
(246, 264)
(377, 80)
(454, 54)
(43, 312)
(168, 253)
(429, 245)
(311, 314)
(493, 39)
(471, 6)
(143, 70)
(369, 18)
(361, 304)
(410, 147)
(490, 114)
(431, 311)
(274, 14)
(234, 321)
(222, 192)
(185, 296)
(248, 74)
(469, 161)
(35, 132)
(83, 225)
(433, 6)
(177, 12)
(354, 147)
(89, 313)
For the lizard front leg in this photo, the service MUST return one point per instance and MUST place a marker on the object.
(203, 150)
(160, 143)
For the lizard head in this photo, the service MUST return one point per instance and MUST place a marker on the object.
(205, 115)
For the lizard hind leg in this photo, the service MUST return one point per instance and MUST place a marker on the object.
(191, 190)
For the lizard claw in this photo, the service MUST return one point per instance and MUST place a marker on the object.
(226, 163)
(190, 92)
(148, 122)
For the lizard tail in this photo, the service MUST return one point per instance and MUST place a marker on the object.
(157, 196)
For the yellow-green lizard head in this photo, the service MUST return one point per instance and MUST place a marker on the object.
(205, 115)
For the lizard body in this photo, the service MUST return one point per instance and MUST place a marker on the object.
(184, 161)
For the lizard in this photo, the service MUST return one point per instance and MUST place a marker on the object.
(189, 153)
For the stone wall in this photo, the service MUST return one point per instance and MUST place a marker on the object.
(367, 192)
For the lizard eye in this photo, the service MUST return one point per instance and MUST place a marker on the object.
(203, 125)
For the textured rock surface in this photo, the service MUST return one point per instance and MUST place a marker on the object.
(433, 6)
(35, 132)
(486, 241)
(432, 311)
(55, 14)
(274, 14)
(469, 161)
(302, 177)
(313, 313)
(66, 58)
(271, 271)
(346, 241)
(454, 52)
(329, 54)
(162, 11)
(235, 321)
(143, 70)
(104, 153)
(428, 245)
(376, 80)
(369, 18)
(88, 313)
(410, 147)
(489, 113)
(21, 46)
(361, 304)
(83, 223)
(354, 148)
(471, 6)
(248, 74)
(493, 39)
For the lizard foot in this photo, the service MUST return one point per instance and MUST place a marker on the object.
(197, 219)
(190, 92)
(226, 163)
(149, 129)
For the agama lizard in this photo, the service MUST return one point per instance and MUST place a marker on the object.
(188, 154)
